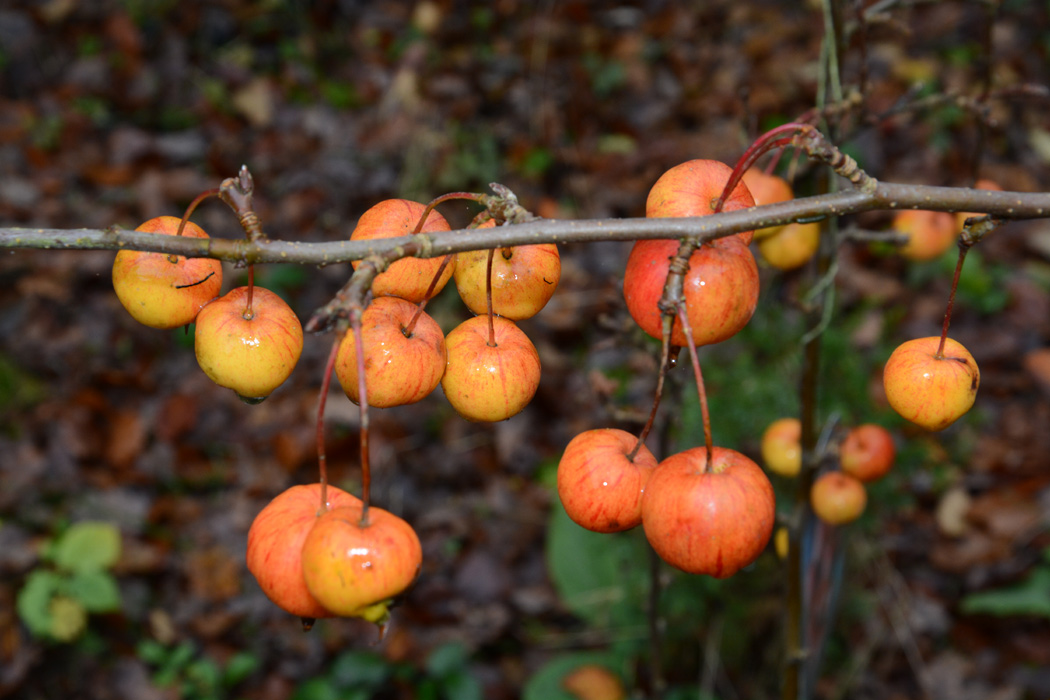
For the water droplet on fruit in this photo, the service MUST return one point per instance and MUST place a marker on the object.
(251, 401)
(308, 623)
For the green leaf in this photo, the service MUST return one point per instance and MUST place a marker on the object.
(88, 546)
(205, 675)
(317, 689)
(240, 666)
(460, 685)
(34, 601)
(97, 591)
(446, 659)
(602, 578)
(1030, 597)
(360, 668)
(546, 683)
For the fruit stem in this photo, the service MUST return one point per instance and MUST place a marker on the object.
(665, 362)
(470, 196)
(248, 312)
(407, 330)
(193, 205)
(963, 249)
(488, 297)
(701, 392)
(773, 138)
(362, 403)
(322, 455)
(173, 259)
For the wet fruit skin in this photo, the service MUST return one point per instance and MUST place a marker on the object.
(691, 188)
(712, 523)
(399, 369)
(523, 279)
(838, 498)
(408, 278)
(720, 289)
(929, 391)
(600, 488)
(275, 545)
(354, 570)
(486, 383)
(250, 353)
(158, 292)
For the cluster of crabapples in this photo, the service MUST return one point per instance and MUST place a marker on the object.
(318, 551)
(488, 368)
(838, 496)
(711, 510)
(315, 550)
(248, 340)
(703, 511)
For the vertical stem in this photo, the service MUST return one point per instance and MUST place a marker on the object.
(963, 249)
(488, 297)
(248, 313)
(322, 399)
(362, 403)
(426, 297)
(701, 392)
(665, 361)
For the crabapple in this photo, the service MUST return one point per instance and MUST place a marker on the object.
(161, 290)
(490, 382)
(930, 233)
(838, 498)
(692, 188)
(408, 278)
(275, 545)
(523, 279)
(250, 350)
(399, 369)
(599, 485)
(354, 568)
(782, 446)
(720, 289)
(767, 188)
(930, 389)
(868, 452)
(708, 520)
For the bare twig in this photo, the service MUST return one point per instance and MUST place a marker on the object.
(883, 196)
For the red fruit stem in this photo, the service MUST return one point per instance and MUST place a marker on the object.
(771, 139)
(474, 197)
(193, 205)
(362, 403)
(407, 330)
(488, 297)
(322, 399)
(963, 249)
(665, 361)
(471, 196)
(701, 392)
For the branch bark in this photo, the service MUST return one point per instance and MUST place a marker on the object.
(881, 196)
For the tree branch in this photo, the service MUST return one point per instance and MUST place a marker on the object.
(883, 196)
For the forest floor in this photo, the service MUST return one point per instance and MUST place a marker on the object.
(114, 112)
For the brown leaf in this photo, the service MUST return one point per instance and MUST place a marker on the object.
(214, 574)
(126, 438)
